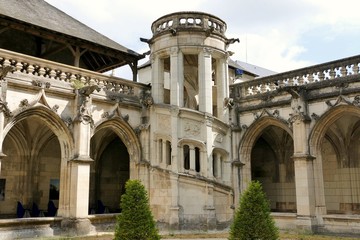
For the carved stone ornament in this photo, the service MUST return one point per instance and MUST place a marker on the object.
(84, 115)
(266, 112)
(87, 90)
(141, 128)
(299, 117)
(4, 70)
(5, 109)
(340, 100)
(24, 103)
(229, 103)
(55, 108)
(41, 84)
(146, 99)
(84, 106)
(219, 138)
(115, 113)
(315, 116)
(192, 129)
(356, 101)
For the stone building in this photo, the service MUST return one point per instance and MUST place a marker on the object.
(196, 130)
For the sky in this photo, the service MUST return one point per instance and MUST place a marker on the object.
(279, 35)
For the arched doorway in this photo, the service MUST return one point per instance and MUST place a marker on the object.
(31, 171)
(340, 154)
(110, 171)
(272, 165)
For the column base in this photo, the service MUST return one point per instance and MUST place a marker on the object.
(211, 217)
(306, 224)
(174, 218)
(76, 226)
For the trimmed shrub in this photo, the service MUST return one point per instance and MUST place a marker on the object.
(135, 221)
(252, 218)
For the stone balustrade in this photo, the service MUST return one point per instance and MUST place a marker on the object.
(189, 20)
(25, 64)
(317, 73)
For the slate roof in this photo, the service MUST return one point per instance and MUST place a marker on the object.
(259, 71)
(44, 15)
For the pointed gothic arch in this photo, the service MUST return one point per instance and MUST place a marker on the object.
(333, 148)
(266, 150)
(35, 131)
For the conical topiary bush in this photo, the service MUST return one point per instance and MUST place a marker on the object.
(252, 218)
(135, 221)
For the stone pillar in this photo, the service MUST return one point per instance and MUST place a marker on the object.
(305, 191)
(157, 81)
(79, 188)
(174, 208)
(174, 139)
(192, 158)
(78, 177)
(4, 110)
(163, 152)
(208, 156)
(303, 163)
(218, 165)
(205, 81)
(222, 83)
(177, 77)
(209, 207)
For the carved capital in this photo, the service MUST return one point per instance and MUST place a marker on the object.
(299, 117)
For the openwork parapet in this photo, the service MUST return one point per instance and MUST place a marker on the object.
(318, 73)
(189, 21)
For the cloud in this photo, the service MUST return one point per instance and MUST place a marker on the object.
(276, 34)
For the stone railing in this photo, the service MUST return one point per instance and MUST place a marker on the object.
(189, 20)
(45, 69)
(317, 73)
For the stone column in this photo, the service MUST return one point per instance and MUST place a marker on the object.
(205, 81)
(157, 80)
(174, 139)
(79, 188)
(174, 208)
(163, 152)
(76, 221)
(222, 89)
(177, 77)
(192, 158)
(303, 163)
(218, 166)
(209, 207)
(4, 110)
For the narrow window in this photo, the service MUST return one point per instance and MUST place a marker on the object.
(160, 150)
(168, 153)
(197, 159)
(214, 165)
(186, 157)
